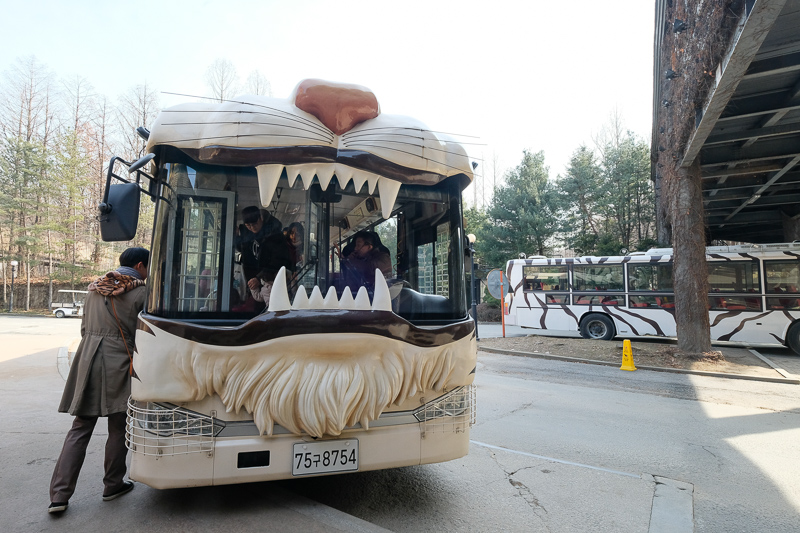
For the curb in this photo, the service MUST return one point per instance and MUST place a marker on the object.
(65, 356)
(538, 355)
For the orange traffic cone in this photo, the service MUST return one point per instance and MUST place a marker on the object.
(627, 356)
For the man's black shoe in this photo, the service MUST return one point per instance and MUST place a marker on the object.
(57, 507)
(126, 488)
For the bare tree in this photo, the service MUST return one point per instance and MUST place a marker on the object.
(138, 107)
(24, 102)
(257, 83)
(222, 79)
(25, 123)
(102, 153)
(611, 133)
(497, 172)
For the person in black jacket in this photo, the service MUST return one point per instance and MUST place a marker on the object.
(256, 226)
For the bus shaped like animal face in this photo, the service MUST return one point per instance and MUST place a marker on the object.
(307, 295)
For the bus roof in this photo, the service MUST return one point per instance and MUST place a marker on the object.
(742, 251)
(736, 249)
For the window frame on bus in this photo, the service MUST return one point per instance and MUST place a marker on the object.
(726, 296)
(780, 294)
(555, 293)
(601, 295)
(657, 297)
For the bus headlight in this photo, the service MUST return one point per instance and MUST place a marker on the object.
(456, 406)
(164, 429)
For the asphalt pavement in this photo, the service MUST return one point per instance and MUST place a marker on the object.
(32, 434)
(32, 379)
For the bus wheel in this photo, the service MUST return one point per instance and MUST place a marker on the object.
(597, 327)
(793, 338)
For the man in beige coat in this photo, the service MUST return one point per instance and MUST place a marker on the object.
(99, 381)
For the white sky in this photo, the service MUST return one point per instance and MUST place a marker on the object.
(535, 74)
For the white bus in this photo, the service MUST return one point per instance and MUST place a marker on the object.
(754, 298)
(338, 373)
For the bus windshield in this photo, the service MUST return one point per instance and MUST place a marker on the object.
(211, 250)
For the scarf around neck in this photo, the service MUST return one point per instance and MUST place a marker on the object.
(114, 283)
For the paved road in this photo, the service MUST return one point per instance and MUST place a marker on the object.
(488, 330)
(564, 447)
(558, 447)
(783, 358)
(31, 436)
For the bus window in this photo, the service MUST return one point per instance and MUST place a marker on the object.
(743, 303)
(193, 276)
(597, 278)
(200, 238)
(731, 277)
(545, 278)
(642, 301)
(782, 278)
(650, 277)
(599, 299)
(663, 302)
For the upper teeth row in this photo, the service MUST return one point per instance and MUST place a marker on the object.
(279, 297)
(269, 175)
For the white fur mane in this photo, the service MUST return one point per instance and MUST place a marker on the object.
(317, 384)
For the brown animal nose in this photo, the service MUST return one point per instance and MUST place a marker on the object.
(340, 106)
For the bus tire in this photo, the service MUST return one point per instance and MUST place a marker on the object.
(793, 338)
(597, 326)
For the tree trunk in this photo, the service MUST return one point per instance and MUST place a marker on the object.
(690, 271)
(28, 281)
(49, 273)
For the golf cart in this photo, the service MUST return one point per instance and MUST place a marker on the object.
(70, 303)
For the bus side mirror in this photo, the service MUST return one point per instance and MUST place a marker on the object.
(119, 214)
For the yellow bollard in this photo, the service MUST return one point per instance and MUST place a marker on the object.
(627, 356)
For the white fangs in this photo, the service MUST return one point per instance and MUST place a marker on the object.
(300, 299)
(381, 300)
(388, 190)
(344, 174)
(331, 300)
(269, 175)
(279, 297)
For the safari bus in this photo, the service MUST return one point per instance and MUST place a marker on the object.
(268, 347)
(753, 300)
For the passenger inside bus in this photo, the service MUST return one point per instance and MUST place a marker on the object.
(361, 256)
(295, 235)
(256, 226)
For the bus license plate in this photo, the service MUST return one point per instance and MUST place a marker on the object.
(325, 456)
